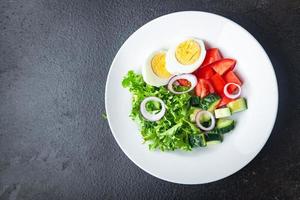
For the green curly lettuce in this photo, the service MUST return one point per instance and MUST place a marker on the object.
(174, 130)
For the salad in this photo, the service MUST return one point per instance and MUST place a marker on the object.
(185, 96)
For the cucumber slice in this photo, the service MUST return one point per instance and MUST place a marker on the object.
(237, 105)
(213, 106)
(213, 138)
(225, 125)
(197, 140)
(210, 102)
(213, 142)
(195, 101)
(194, 111)
(222, 112)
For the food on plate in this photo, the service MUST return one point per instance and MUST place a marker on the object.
(203, 88)
(211, 121)
(222, 112)
(224, 125)
(154, 70)
(205, 72)
(212, 55)
(218, 83)
(231, 77)
(191, 82)
(152, 111)
(238, 105)
(223, 65)
(185, 96)
(232, 95)
(173, 130)
(186, 56)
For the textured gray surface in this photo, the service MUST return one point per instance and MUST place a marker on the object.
(54, 59)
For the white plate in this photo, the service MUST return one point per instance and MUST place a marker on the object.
(254, 126)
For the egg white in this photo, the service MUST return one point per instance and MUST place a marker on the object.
(149, 76)
(175, 67)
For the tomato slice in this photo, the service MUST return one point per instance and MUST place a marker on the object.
(231, 77)
(212, 55)
(224, 65)
(198, 89)
(184, 82)
(209, 85)
(218, 83)
(204, 72)
(203, 88)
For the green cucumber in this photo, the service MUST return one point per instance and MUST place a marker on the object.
(210, 102)
(224, 125)
(222, 112)
(237, 105)
(213, 138)
(193, 113)
(213, 142)
(194, 101)
(197, 140)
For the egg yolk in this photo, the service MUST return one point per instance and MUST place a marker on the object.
(158, 65)
(188, 52)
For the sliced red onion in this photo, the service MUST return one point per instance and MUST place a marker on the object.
(150, 116)
(235, 95)
(212, 124)
(189, 77)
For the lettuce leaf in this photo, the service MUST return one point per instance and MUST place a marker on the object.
(174, 130)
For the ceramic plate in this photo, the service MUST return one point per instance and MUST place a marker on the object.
(254, 126)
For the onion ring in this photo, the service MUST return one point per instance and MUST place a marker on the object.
(189, 77)
(232, 96)
(150, 116)
(213, 121)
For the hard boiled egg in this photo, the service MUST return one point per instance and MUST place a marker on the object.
(154, 70)
(186, 56)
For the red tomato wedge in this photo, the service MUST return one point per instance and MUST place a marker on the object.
(198, 89)
(223, 66)
(184, 82)
(204, 72)
(218, 83)
(212, 55)
(208, 85)
(203, 88)
(231, 77)
(224, 101)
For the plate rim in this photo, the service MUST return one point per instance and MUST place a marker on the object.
(276, 101)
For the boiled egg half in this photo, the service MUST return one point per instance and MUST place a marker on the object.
(154, 70)
(186, 56)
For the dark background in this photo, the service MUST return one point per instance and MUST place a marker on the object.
(54, 59)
